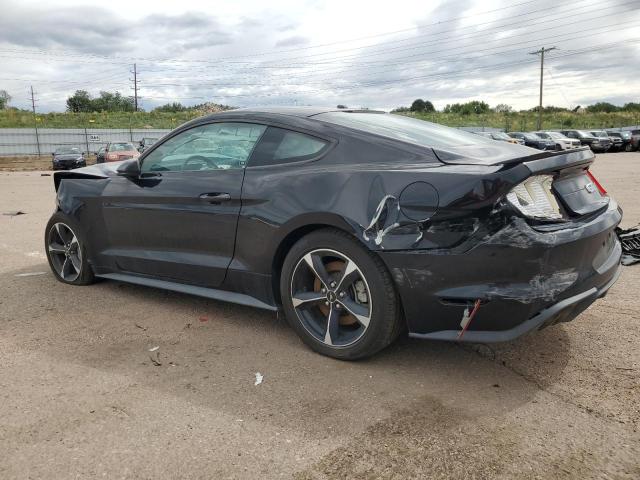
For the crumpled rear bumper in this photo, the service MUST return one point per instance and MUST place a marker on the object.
(524, 278)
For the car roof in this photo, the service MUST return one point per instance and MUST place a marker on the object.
(306, 111)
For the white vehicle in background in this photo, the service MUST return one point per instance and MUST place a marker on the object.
(562, 142)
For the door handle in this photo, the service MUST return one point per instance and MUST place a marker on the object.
(215, 197)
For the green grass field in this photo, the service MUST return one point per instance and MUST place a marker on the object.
(527, 121)
(510, 122)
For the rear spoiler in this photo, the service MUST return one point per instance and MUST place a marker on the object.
(507, 154)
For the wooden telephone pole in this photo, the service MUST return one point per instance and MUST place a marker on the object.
(541, 52)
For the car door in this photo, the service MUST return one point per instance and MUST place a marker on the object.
(178, 220)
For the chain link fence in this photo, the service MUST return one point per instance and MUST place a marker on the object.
(44, 141)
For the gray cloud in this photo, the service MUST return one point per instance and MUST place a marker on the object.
(481, 56)
(294, 41)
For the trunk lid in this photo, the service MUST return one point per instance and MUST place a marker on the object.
(572, 185)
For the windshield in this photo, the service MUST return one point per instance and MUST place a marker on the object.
(582, 133)
(67, 151)
(599, 133)
(403, 128)
(555, 135)
(121, 147)
(531, 136)
(501, 136)
(542, 135)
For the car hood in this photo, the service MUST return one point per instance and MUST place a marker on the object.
(73, 156)
(501, 153)
(100, 170)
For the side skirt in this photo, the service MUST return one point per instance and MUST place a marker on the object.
(212, 293)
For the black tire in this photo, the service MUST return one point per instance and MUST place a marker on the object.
(384, 322)
(81, 274)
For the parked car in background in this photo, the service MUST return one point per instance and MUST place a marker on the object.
(635, 139)
(534, 141)
(624, 136)
(357, 225)
(67, 158)
(562, 142)
(587, 138)
(616, 142)
(100, 155)
(145, 143)
(117, 151)
(501, 137)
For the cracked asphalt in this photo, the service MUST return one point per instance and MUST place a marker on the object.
(80, 396)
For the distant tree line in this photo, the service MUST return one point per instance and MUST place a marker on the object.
(478, 107)
(82, 101)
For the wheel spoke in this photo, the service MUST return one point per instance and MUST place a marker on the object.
(357, 310)
(307, 298)
(62, 232)
(75, 262)
(65, 267)
(317, 267)
(333, 326)
(55, 247)
(348, 275)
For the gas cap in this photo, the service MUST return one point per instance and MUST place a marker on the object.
(419, 201)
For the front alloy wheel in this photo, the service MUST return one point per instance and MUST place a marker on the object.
(65, 252)
(64, 244)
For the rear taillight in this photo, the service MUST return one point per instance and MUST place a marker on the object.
(601, 189)
(535, 199)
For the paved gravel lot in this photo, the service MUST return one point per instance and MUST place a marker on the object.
(80, 398)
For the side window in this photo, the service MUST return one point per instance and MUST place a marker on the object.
(216, 146)
(279, 145)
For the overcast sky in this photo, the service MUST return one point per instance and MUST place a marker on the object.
(322, 52)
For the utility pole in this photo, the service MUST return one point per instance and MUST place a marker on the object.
(135, 86)
(541, 53)
(35, 119)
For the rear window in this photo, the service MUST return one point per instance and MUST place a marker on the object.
(121, 147)
(278, 145)
(403, 128)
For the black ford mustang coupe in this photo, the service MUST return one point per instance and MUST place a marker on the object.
(358, 225)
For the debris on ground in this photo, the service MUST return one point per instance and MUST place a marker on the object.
(154, 356)
(144, 329)
(14, 214)
(45, 174)
(630, 240)
(259, 378)
(204, 319)
(29, 274)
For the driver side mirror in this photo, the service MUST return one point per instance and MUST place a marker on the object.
(129, 168)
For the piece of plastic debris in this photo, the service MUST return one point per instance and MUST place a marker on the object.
(467, 317)
(144, 329)
(14, 214)
(259, 378)
(154, 356)
(630, 242)
(45, 174)
(30, 274)
(204, 319)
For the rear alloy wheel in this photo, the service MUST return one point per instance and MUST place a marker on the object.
(331, 297)
(338, 296)
(65, 252)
